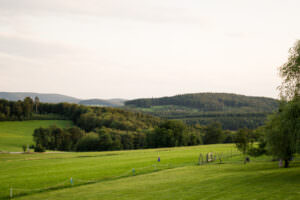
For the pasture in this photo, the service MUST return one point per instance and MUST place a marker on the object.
(14, 134)
(137, 174)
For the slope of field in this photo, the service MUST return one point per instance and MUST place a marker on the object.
(14, 134)
(138, 175)
(231, 110)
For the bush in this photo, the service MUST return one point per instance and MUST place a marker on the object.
(24, 148)
(39, 148)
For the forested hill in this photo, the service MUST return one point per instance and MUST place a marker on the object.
(231, 110)
(211, 102)
(101, 102)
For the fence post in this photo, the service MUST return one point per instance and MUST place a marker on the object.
(11, 192)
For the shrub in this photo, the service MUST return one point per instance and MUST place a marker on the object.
(39, 148)
(24, 148)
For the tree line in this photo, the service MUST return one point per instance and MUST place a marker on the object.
(167, 134)
(20, 110)
(104, 128)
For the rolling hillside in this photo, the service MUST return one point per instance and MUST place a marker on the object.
(231, 110)
(109, 175)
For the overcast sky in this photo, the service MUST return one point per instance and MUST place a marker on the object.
(145, 48)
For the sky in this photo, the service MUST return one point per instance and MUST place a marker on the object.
(145, 48)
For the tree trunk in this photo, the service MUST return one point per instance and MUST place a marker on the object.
(286, 163)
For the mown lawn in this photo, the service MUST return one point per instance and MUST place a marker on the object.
(14, 134)
(109, 175)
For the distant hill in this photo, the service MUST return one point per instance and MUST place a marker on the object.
(49, 98)
(210, 102)
(118, 102)
(101, 102)
(231, 110)
(58, 98)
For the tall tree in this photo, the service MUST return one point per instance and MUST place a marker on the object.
(37, 103)
(290, 73)
(283, 128)
(283, 132)
(27, 107)
(213, 134)
(243, 139)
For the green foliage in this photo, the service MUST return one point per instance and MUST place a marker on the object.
(213, 134)
(24, 148)
(55, 138)
(233, 121)
(290, 72)
(167, 134)
(39, 148)
(283, 131)
(20, 110)
(89, 142)
(243, 139)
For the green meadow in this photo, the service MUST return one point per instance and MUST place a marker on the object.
(137, 174)
(14, 134)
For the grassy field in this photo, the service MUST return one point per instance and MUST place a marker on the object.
(14, 134)
(109, 175)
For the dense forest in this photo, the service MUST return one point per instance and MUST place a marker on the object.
(99, 128)
(211, 102)
(231, 110)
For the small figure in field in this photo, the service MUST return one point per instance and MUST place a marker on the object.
(158, 159)
(247, 159)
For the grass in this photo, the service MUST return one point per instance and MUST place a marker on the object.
(108, 175)
(14, 134)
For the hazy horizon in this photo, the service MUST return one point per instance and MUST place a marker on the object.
(139, 48)
(132, 98)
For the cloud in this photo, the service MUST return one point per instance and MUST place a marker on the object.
(151, 11)
(236, 35)
(20, 46)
